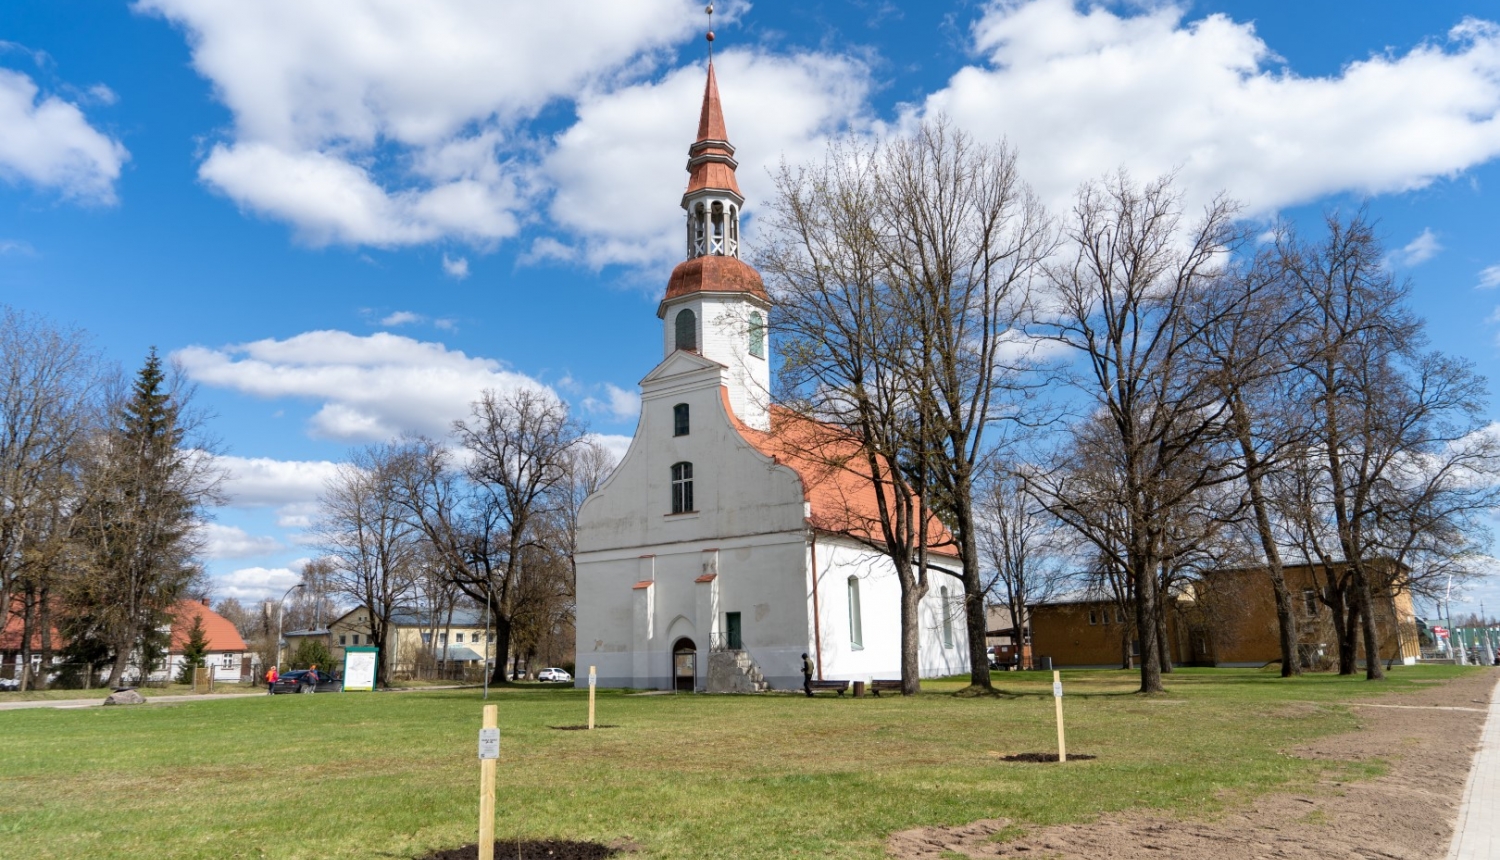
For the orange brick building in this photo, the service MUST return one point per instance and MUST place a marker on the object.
(1225, 618)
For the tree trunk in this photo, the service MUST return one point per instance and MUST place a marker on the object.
(1373, 670)
(974, 610)
(1145, 624)
(502, 648)
(1163, 641)
(1286, 618)
(27, 620)
(1349, 636)
(44, 621)
(911, 666)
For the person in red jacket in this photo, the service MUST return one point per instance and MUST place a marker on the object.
(271, 676)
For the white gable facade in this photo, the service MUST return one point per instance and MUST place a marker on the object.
(698, 569)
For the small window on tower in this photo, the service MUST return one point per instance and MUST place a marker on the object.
(687, 330)
(680, 419)
(757, 335)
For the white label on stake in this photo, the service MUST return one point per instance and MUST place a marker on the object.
(591, 674)
(489, 743)
(1057, 689)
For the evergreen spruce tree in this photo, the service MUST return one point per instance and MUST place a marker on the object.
(143, 490)
(194, 651)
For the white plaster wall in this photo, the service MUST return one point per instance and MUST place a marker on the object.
(880, 604)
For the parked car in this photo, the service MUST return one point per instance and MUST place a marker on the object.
(297, 681)
(9, 684)
(551, 674)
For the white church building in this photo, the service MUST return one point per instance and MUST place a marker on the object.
(712, 558)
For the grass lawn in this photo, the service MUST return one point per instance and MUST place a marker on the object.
(394, 775)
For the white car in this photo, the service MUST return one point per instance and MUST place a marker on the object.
(553, 675)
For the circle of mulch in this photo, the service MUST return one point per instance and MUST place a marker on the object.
(581, 728)
(539, 849)
(1045, 757)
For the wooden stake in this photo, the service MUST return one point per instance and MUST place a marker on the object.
(591, 698)
(1062, 742)
(487, 792)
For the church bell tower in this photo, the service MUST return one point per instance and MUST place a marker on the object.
(716, 305)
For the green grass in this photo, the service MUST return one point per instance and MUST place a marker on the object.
(396, 775)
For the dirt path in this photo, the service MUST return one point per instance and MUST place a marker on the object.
(1428, 737)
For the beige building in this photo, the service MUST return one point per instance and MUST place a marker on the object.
(420, 644)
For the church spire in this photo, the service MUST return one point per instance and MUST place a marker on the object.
(713, 198)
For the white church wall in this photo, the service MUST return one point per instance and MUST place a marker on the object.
(879, 652)
(745, 506)
(724, 337)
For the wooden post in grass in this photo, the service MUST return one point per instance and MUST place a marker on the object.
(591, 698)
(489, 753)
(1062, 742)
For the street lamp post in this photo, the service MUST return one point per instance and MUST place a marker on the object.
(280, 607)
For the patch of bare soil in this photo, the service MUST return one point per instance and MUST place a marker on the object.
(1043, 757)
(546, 849)
(1428, 737)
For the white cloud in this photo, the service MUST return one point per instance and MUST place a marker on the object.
(401, 318)
(48, 142)
(261, 482)
(618, 403)
(456, 267)
(1081, 90)
(16, 246)
(1489, 277)
(614, 444)
(617, 170)
(387, 122)
(1420, 249)
(371, 388)
(234, 542)
(254, 584)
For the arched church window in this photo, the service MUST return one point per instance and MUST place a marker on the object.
(680, 419)
(686, 330)
(856, 622)
(946, 609)
(698, 217)
(757, 335)
(682, 488)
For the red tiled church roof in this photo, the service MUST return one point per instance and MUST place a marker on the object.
(835, 476)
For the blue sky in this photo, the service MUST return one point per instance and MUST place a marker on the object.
(345, 219)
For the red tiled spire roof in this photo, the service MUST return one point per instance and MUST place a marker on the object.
(711, 161)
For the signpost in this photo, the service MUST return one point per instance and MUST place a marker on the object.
(1062, 743)
(592, 679)
(489, 753)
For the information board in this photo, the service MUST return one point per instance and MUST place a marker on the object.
(359, 668)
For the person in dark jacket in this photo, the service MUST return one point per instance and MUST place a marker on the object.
(807, 673)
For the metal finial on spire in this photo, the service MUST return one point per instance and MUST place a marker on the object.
(710, 11)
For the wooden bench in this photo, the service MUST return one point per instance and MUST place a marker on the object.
(889, 686)
(839, 686)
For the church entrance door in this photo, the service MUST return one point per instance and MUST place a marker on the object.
(684, 666)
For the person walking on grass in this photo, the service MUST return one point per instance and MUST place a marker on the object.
(807, 673)
(271, 676)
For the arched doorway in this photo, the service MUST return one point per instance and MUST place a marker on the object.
(684, 665)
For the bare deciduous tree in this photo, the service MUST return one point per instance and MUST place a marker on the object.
(363, 529)
(1123, 300)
